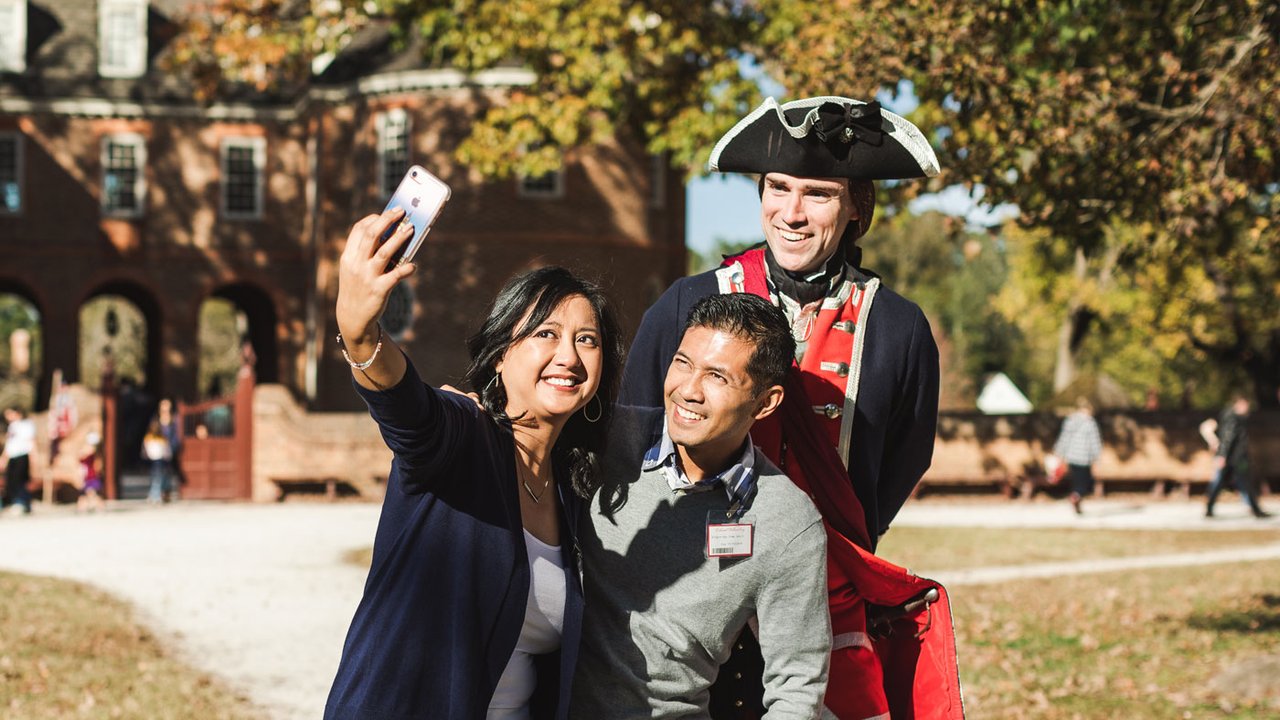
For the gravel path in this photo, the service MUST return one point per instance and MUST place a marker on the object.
(259, 595)
(988, 575)
(255, 594)
(1098, 514)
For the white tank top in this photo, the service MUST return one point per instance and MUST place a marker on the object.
(543, 625)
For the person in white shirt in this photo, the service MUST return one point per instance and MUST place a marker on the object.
(19, 443)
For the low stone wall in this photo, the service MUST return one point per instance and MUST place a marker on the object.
(344, 454)
(1158, 451)
(294, 449)
(1151, 449)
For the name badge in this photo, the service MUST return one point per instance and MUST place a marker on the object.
(729, 540)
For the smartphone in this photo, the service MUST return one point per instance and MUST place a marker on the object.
(422, 196)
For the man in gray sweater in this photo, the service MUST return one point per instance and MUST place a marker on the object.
(695, 534)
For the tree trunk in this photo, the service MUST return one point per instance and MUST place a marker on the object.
(1064, 366)
(1263, 366)
(1071, 331)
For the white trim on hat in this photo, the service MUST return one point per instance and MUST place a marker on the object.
(713, 163)
(908, 135)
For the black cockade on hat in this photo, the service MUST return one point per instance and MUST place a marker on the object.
(848, 122)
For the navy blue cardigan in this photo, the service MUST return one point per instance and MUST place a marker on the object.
(897, 410)
(445, 599)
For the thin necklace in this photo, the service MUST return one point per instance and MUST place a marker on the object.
(524, 480)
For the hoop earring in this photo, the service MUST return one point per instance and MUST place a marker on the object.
(599, 412)
(497, 379)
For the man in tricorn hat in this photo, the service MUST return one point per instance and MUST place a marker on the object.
(857, 427)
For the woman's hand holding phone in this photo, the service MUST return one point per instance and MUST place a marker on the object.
(364, 284)
(422, 196)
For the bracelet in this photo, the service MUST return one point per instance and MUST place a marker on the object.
(361, 366)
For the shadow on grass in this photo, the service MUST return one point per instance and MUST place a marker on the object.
(1261, 616)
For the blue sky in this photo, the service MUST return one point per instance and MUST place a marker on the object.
(728, 206)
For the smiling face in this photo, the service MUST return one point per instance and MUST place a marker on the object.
(711, 401)
(553, 372)
(804, 218)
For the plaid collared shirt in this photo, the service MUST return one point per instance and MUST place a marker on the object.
(1079, 443)
(739, 480)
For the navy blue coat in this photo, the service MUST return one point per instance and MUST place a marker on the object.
(897, 409)
(445, 599)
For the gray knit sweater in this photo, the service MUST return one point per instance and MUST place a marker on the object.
(661, 617)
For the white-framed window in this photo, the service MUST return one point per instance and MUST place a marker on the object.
(242, 162)
(10, 173)
(393, 150)
(124, 189)
(548, 185)
(122, 38)
(13, 35)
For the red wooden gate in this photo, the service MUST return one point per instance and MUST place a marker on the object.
(217, 445)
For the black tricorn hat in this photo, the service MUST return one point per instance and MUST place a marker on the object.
(827, 136)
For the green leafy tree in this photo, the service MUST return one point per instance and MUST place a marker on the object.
(268, 45)
(221, 327)
(1140, 337)
(954, 273)
(667, 74)
(111, 325)
(1090, 115)
(19, 388)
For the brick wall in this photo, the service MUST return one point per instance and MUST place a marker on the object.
(60, 251)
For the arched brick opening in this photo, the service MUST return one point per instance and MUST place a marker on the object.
(37, 372)
(260, 311)
(143, 299)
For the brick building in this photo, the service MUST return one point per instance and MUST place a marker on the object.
(114, 180)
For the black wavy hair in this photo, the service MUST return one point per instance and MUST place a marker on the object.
(538, 293)
(757, 321)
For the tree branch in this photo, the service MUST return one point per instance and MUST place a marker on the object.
(1241, 49)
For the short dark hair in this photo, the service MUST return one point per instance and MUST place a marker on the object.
(754, 320)
(539, 292)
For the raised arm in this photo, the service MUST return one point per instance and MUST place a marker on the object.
(420, 425)
(364, 284)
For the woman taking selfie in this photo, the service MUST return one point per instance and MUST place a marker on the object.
(473, 604)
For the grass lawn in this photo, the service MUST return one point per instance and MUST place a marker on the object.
(1117, 645)
(69, 651)
(932, 548)
(1143, 644)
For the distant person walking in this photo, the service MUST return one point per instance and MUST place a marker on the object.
(157, 452)
(169, 428)
(1231, 463)
(19, 443)
(1079, 445)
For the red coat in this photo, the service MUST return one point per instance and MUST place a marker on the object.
(893, 651)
